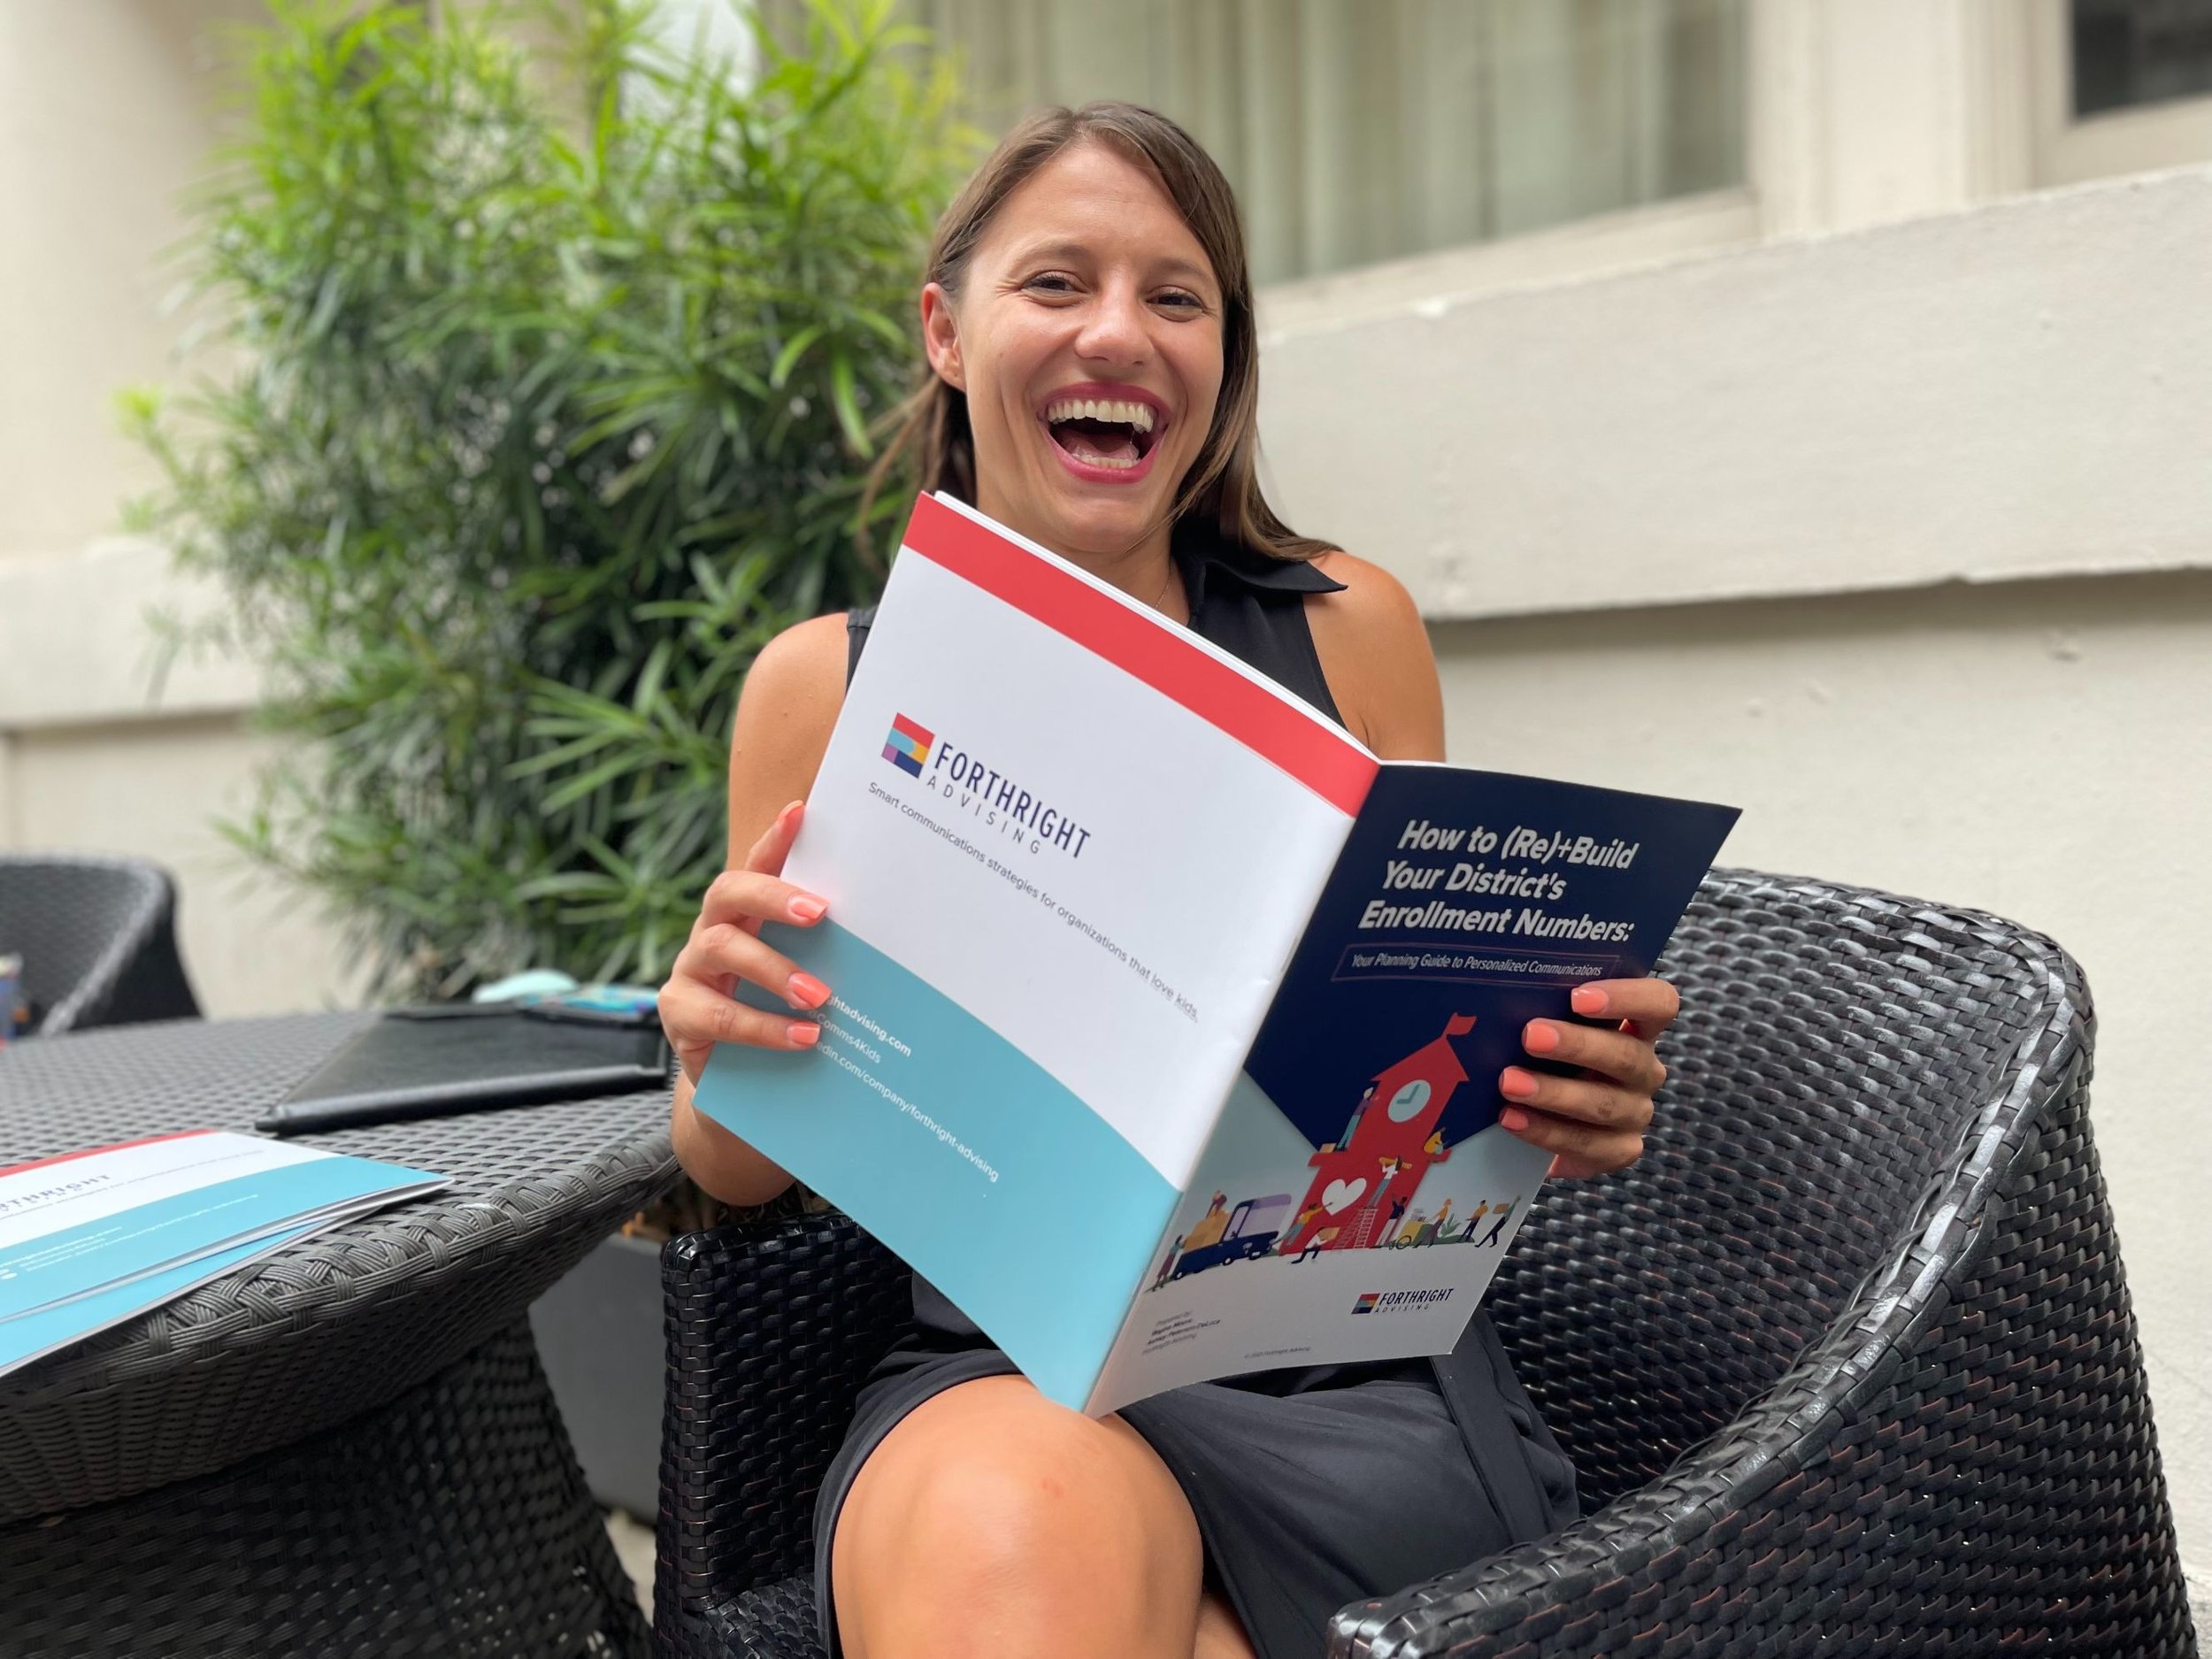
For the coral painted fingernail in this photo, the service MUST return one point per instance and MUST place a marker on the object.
(805, 907)
(806, 990)
(805, 1032)
(1513, 1119)
(1541, 1037)
(1515, 1084)
(1587, 999)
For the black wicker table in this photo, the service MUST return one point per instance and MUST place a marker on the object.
(348, 1448)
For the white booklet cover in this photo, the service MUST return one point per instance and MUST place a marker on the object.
(1124, 939)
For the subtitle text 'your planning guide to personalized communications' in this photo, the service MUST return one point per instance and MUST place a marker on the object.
(1166, 1021)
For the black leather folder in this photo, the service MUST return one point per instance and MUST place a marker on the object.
(435, 1063)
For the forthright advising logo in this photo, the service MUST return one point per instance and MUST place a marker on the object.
(908, 746)
(969, 786)
(1401, 1301)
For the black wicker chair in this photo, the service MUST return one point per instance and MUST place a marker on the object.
(98, 940)
(1846, 1362)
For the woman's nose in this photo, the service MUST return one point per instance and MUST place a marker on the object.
(1115, 328)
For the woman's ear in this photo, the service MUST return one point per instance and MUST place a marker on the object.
(940, 336)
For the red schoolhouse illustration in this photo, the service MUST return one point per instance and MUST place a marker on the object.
(1365, 1180)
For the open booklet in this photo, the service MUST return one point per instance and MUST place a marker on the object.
(1166, 1021)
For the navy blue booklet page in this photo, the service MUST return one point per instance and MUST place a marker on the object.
(1472, 895)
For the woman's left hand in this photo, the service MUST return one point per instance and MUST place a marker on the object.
(1594, 1123)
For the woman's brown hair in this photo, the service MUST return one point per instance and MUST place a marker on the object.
(1223, 484)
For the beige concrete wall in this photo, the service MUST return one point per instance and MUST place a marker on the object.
(106, 109)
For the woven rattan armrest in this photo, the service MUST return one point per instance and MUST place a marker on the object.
(1964, 1450)
(771, 1328)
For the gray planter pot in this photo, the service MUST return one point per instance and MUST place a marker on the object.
(599, 1336)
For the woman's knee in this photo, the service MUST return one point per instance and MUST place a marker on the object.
(992, 1508)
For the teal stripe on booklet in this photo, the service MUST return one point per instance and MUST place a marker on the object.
(53, 1267)
(1003, 1189)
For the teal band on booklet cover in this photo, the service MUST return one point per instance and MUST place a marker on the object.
(1039, 1242)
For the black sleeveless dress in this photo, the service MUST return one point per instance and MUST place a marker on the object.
(1313, 1486)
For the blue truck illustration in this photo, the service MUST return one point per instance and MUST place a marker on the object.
(1253, 1226)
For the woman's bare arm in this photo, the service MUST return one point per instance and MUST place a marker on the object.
(1374, 651)
(784, 717)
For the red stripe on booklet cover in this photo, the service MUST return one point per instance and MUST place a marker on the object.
(1263, 721)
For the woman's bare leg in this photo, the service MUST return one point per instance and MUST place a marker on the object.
(992, 1523)
(1219, 1634)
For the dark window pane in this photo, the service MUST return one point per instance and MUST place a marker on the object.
(2128, 52)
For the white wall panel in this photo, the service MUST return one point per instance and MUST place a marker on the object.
(2023, 389)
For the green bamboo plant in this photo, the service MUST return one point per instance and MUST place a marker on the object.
(555, 376)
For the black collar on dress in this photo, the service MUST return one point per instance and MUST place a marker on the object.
(1205, 555)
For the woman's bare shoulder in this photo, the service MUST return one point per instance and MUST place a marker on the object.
(798, 679)
(804, 655)
(785, 714)
(1374, 651)
(1374, 605)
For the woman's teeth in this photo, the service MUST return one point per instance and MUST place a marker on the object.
(1126, 414)
(1089, 457)
(1109, 432)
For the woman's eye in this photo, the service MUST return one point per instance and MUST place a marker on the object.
(1052, 283)
(1175, 299)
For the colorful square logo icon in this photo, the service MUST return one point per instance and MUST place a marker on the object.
(908, 746)
(1366, 1303)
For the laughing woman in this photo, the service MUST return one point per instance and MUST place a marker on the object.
(1092, 382)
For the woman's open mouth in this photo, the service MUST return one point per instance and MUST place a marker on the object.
(1104, 439)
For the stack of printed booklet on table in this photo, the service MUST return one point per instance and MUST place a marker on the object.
(89, 1238)
(1166, 1019)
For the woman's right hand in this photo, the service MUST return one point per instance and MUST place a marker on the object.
(697, 1008)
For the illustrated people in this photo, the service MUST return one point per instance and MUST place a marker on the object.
(1467, 1232)
(1435, 1229)
(1320, 1241)
(1208, 1229)
(1497, 1225)
(1087, 320)
(1297, 1227)
(1385, 1205)
(1167, 1263)
(1410, 1233)
(1351, 1127)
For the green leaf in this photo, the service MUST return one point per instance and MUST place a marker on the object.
(793, 350)
(848, 405)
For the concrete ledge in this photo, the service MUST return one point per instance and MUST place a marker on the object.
(2023, 389)
(77, 644)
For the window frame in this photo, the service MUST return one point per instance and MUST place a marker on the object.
(1706, 221)
(2074, 150)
